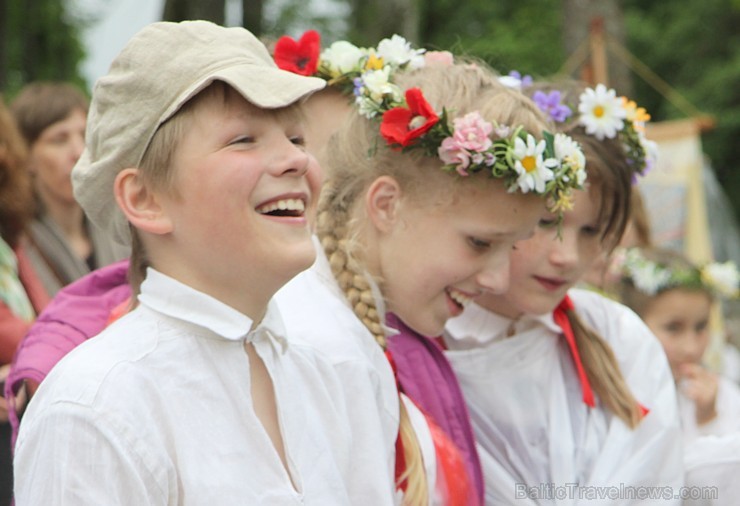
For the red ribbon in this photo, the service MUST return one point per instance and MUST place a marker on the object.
(400, 456)
(561, 319)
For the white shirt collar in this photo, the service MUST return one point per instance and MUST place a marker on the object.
(169, 296)
(477, 326)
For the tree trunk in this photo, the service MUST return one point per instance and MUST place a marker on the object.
(4, 31)
(252, 16)
(181, 10)
(373, 20)
(578, 16)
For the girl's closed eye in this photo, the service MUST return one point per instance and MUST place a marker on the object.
(591, 230)
(479, 244)
(547, 222)
(298, 140)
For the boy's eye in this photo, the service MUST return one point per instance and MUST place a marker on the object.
(246, 139)
(702, 326)
(478, 243)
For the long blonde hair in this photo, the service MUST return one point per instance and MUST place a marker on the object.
(357, 155)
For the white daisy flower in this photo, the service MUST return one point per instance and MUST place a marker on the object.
(601, 112)
(397, 51)
(568, 150)
(649, 278)
(377, 84)
(511, 82)
(722, 277)
(533, 171)
(342, 57)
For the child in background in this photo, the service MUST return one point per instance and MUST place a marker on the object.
(411, 222)
(565, 387)
(674, 298)
(198, 395)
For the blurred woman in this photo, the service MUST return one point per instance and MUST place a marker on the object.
(65, 246)
(22, 295)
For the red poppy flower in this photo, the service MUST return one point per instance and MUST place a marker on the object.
(300, 57)
(403, 125)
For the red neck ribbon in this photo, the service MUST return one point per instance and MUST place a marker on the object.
(400, 456)
(561, 319)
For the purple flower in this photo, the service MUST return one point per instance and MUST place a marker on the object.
(550, 103)
(358, 85)
(525, 80)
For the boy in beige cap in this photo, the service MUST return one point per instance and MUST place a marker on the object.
(195, 155)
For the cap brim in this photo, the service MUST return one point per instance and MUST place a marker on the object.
(265, 87)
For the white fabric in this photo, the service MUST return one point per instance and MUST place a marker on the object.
(536, 437)
(157, 411)
(712, 471)
(728, 412)
(316, 313)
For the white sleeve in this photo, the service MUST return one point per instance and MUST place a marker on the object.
(71, 455)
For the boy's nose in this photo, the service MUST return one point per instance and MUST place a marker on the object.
(294, 160)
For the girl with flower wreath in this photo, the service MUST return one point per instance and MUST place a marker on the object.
(569, 393)
(674, 299)
(429, 183)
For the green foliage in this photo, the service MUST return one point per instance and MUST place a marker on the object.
(695, 48)
(42, 42)
(524, 35)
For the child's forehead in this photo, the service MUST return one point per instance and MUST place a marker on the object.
(231, 104)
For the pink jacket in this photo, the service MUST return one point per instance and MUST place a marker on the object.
(78, 312)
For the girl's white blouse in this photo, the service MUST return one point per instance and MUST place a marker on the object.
(538, 442)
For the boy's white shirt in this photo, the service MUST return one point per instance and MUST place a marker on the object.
(156, 410)
(316, 313)
(536, 436)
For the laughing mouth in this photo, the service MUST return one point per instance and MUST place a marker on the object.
(283, 207)
(460, 298)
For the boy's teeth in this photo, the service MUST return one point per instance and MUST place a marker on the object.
(459, 298)
(283, 205)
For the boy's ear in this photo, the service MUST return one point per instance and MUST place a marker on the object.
(141, 206)
(382, 201)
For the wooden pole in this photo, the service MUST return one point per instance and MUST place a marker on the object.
(598, 63)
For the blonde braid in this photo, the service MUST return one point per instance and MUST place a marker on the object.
(333, 232)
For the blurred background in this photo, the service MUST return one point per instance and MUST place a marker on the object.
(680, 60)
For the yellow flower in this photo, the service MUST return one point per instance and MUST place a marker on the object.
(374, 62)
(634, 113)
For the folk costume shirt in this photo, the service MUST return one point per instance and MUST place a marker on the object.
(727, 405)
(539, 443)
(157, 410)
(317, 314)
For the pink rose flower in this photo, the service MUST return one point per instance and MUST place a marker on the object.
(471, 135)
(438, 58)
(472, 132)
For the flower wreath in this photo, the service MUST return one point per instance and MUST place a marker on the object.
(651, 278)
(552, 166)
(602, 114)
